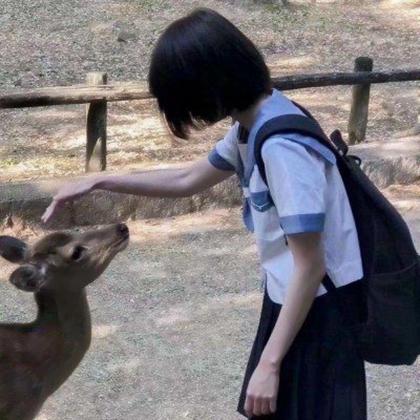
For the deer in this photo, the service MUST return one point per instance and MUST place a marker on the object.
(37, 358)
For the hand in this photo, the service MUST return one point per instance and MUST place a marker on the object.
(261, 395)
(65, 194)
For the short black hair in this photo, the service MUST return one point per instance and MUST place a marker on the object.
(202, 69)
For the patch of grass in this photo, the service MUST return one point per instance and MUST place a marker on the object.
(7, 163)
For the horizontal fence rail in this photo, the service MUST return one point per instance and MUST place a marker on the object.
(353, 78)
(81, 94)
(96, 93)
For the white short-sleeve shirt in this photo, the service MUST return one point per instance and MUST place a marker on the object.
(306, 194)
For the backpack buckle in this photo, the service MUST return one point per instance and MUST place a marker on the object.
(339, 143)
(355, 159)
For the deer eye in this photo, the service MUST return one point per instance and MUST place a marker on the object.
(78, 253)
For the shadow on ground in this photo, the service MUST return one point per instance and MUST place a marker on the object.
(174, 318)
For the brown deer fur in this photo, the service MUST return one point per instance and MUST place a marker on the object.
(37, 358)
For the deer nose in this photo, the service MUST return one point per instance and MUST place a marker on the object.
(122, 229)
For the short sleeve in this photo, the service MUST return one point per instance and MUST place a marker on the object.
(297, 183)
(224, 156)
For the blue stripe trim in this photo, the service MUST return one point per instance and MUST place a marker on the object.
(219, 162)
(261, 201)
(247, 215)
(313, 144)
(301, 223)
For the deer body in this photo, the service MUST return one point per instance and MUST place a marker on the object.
(38, 357)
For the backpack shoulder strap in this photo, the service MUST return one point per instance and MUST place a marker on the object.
(335, 136)
(303, 109)
(291, 123)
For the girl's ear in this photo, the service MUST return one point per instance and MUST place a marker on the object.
(12, 249)
(27, 278)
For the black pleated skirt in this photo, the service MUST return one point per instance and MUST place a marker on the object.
(322, 377)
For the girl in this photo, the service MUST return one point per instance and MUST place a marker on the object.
(303, 365)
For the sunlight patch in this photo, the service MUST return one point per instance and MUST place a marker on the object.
(102, 331)
(174, 316)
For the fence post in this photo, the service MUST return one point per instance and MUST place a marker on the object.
(416, 128)
(96, 118)
(360, 104)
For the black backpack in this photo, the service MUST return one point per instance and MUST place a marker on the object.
(390, 332)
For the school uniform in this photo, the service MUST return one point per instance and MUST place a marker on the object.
(322, 376)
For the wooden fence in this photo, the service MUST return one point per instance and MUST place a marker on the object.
(96, 93)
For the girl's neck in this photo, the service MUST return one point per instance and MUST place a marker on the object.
(247, 117)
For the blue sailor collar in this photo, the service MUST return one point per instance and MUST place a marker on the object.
(274, 106)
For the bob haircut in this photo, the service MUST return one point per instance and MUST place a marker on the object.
(202, 69)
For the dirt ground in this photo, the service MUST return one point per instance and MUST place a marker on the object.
(173, 321)
(175, 314)
(45, 43)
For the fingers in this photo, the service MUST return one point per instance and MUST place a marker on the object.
(249, 406)
(259, 406)
(50, 211)
(67, 193)
(265, 407)
(273, 405)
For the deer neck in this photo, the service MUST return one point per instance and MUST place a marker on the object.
(66, 317)
(69, 311)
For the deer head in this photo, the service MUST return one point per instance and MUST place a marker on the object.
(63, 261)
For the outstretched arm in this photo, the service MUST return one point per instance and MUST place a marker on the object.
(181, 182)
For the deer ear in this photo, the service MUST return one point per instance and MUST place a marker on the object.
(12, 249)
(27, 278)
